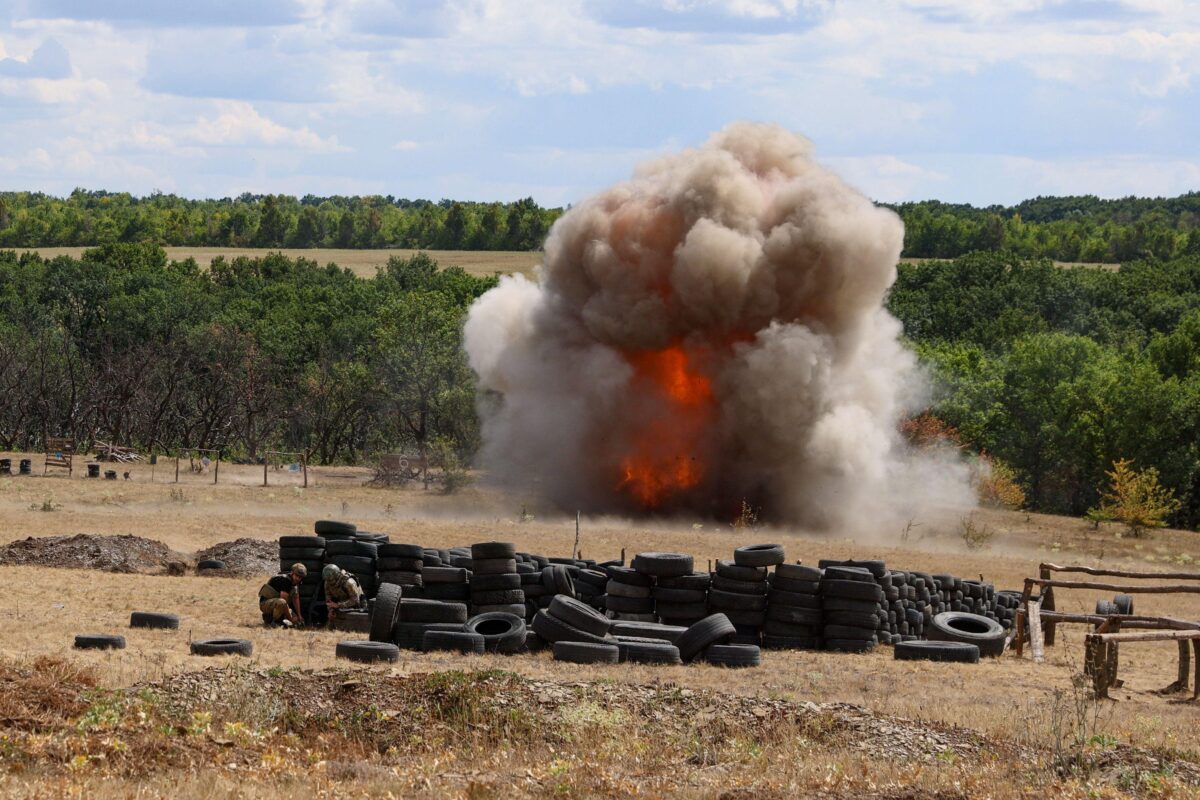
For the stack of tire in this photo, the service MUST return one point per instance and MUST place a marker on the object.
(739, 589)
(309, 551)
(852, 608)
(590, 586)
(402, 565)
(495, 583)
(681, 601)
(794, 609)
(911, 604)
(418, 616)
(629, 594)
(354, 555)
(448, 584)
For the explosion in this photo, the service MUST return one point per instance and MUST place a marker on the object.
(710, 332)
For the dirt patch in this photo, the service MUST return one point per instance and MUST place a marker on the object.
(242, 557)
(90, 551)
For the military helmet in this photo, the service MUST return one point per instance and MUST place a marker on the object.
(330, 571)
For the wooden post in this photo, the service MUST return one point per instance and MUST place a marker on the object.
(1181, 683)
(264, 471)
(177, 469)
(1196, 683)
(575, 549)
(304, 467)
(217, 468)
(1035, 630)
(1048, 604)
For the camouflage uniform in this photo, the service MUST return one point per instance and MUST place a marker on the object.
(344, 590)
(271, 602)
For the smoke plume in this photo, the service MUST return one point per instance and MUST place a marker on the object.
(710, 331)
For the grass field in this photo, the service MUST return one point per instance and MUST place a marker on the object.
(701, 733)
(363, 262)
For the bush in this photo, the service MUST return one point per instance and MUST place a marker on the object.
(1135, 498)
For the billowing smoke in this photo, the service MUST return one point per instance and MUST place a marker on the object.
(710, 332)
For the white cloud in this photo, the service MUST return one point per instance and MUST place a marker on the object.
(239, 123)
(406, 145)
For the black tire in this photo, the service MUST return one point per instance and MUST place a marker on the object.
(505, 597)
(411, 551)
(351, 622)
(795, 616)
(553, 629)
(854, 619)
(665, 594)
(586, 652)
(302, 554)
(359, 565)
(795, 630)
(844, 604)
(1106, 608)
(731, 601)
(873, 566)
(222, 647)
(790, 642)
(153, 619)
(386, 612)
(443, 575)
(799, 586)
(502, 633)
(1124, 603)
(711, 630)
(629, 605)
(798, 572)
(688, 611)
(636, 650)
(410, 579)
(622, 589)
(455, 642)
(489, 550)
(648, 630)
(409, 635)
(630, 576)
(210, 563)
(697, 581)
(851, 590)
(848, 632)
(450, 592)
(751, 618)
(663, 565)
(350, 547)
(516, 609)
(578, 615)
(325, 527)
(557, 578)
(733, 655)
(957, 626)
(738, 572)
(778, 597)
(591, 577)
(99, 641)
(307, 542)
(399, 564)
(432, 611)
(958, 652)
(367, 652)
(759, 555)
(840, 573)
(495, 583)
(493, 566)
(739, 587)
(850, 645)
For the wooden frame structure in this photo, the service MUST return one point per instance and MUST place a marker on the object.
(303, 463)
(60, 452)
(188, 451)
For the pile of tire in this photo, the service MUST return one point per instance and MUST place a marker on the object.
(913, 599)
(353, 554)
(683, 600)
(401, 565)
(852, 612)
(591, 584)
(739, 589)
(629, 594)
(449, 584)
(794, 609)
(309, 551)
(495, 584)
(1121, 604)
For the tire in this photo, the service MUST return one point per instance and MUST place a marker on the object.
(222, 647)
(153, 619)
(411, 579)
(851, 590)
(443, 575)
(759, 555)
(874, 566)
(399, 564)
(360, 565)
(849, 645)
(328, 526)
(516, 609)
(591, 577)
(798, 586)
(506, 597)
(494, 550)
(663, 565)
(210, 563)
(496, 583)
(493, 566)
(448, 592)
(586, 652)
(790, 642)
(630, 605)
(958, 652)
(367, 652)
(752, 618)
(557, 578)
(648, 630)
(843, 604)
(848, 632)
(697, 581)
(688, 611)
(733, 655)
(1105, 608)
(502, 633)
(386, 612)
(308, 542)
(731, 601)
(1124, 603)
(409, 635)
(778, 597)
(711, 630)
(301, 553)
(630, 576)
(739, 587)
(665, 594)
(840, 573)
(957, 626)
(795, 616)
(647, 651)
(737, 572)
(411, 551)
(619, 589)
(553, 629)
(432, 611)
(351, 547)
(454, 642)
(798, 572)
(352, 622)
(794, 630)
(854, 619)
(579, 615)
(99, 641)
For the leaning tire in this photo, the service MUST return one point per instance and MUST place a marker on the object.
(579, 615)
(367, 652)
(959, 626)
(386, 612)
(711, 630)
(586, 652)
(99, 641)
(153, 619)
(958, 652)
(222, 647)
(553, 629)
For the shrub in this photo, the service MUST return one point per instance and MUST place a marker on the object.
(1135, 498)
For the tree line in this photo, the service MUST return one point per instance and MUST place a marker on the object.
(1073, 229)
(252, 354)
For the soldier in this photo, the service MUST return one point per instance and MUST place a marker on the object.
(279, 600)
(342, 592)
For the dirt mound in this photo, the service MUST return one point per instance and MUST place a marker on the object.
(242, 557)
(90, 551)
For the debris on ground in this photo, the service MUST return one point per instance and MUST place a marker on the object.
(243, 556)
(90, 551)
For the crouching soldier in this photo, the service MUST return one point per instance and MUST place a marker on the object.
(342, 592)
(279, 598)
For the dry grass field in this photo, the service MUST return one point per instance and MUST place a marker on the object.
(292, 720)
(364, 263)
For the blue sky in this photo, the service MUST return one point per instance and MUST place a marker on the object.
(976, 101)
